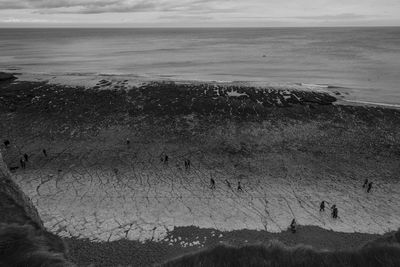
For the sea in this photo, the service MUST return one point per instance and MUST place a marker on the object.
(363, 63)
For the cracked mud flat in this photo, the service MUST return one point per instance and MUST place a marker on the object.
(289, 153)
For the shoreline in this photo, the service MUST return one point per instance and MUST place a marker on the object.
(344, 95)
(277, 143)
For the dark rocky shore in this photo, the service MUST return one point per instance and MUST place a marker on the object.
(157, 98)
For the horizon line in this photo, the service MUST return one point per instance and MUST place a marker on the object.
(190, 27)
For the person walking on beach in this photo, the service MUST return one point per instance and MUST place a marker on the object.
(369, 187)
(44, 152)
(26, 157)
(293, 226)
(6, 143)
(322, 206)
(188, 164)
(365, 183)
(22, 162)
(128, 142)
(212, 183)
(334, 212)
(239, 188)
(166, 159)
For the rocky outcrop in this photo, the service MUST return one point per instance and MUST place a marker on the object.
(23, 239)
(15, 206)
(6, 76)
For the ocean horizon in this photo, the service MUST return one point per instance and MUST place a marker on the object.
(362, 61)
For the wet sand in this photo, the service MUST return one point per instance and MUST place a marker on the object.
(289, 149)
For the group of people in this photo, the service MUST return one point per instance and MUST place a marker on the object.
(334, 209)
(25, 157)
(367, 185)
(334, 214)
(165, 159)
(239, 186)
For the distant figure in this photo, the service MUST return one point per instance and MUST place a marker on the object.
(228, 183)
(334, 212)
(115, 171)
(365, 183)
(322, 206)
(188, 163)
(26, 157)
(369, 187)
(293, 226)
(128, 142)
(22, 162)
(6, 143)
(212, 182)
(239, 188)
(166, 159)
(44, 152)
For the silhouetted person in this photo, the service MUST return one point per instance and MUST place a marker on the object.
(128, 142)
(115, 171)
(22, 162)
(239, 188)
(322, 206)
(369, 187)
(44, 152)
(6, 143)
(293, 226)
(334, 212)
(166, 159)
(188, 163)
(26, 157)
(365, 183)
(212, 182)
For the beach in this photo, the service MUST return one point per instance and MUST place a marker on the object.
(104, 183)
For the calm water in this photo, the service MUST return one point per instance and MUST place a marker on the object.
(364, 60)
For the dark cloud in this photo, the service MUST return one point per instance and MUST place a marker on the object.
(12, 4)
(107, 6)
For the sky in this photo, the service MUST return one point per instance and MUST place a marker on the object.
(198, 13)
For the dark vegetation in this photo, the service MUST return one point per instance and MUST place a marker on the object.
(275, 254)
(24, 241)
(23, 246)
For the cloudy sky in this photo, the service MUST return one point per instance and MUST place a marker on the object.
(198, 13)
